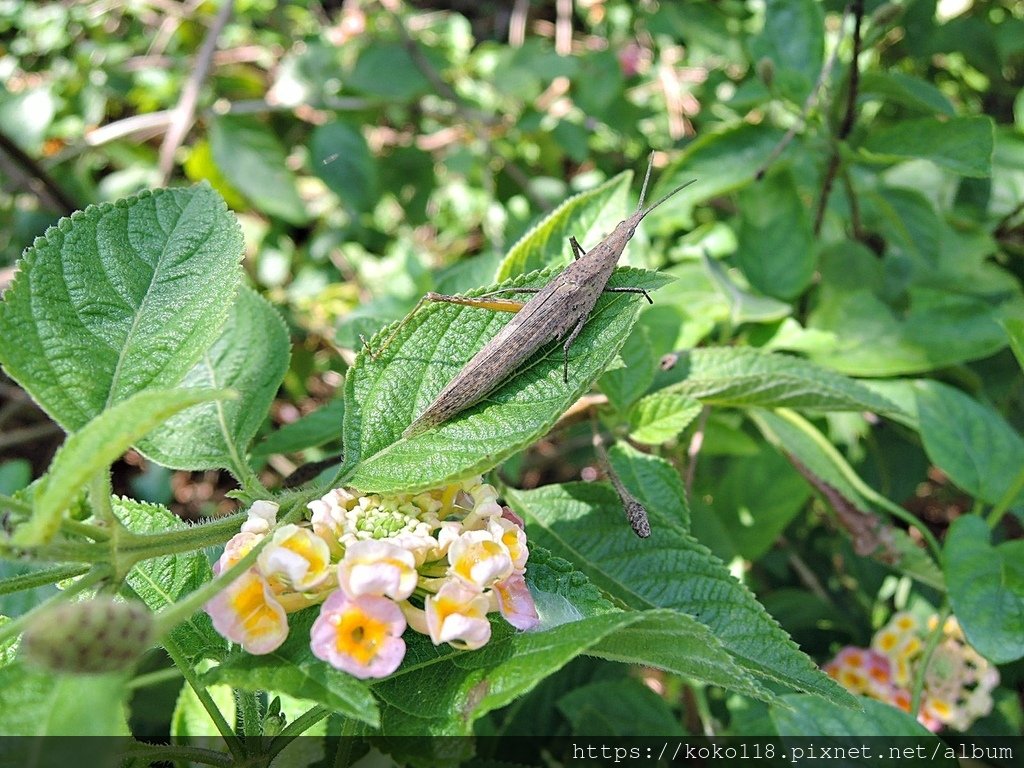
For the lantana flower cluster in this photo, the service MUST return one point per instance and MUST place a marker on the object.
(437, 562)
(958, 681)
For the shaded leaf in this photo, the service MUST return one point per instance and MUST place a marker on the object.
(251, 356)
(986, 589)
(661, 417)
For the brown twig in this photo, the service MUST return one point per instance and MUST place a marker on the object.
(636, 514)
(846, 126)
(37, 179)
(185, 110)
(563, 27)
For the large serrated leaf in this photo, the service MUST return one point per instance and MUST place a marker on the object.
(588, 216)
(464, 686)
(95, 447)
(251, 356)
(119, 298)
(383, 396)
(162, 581)
(671, 570)
(746, 377)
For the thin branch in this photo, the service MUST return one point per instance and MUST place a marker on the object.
(37, 179)
(184, 112)
(846, 126)
(517, 23)
(809, 103)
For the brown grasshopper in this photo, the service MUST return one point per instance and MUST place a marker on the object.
(559, 310)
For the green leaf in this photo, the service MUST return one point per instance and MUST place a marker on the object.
(805, 716)
(744, 306)
(293, 669)
(340, 156)
(793, 39)
(77, 343)
(661, 417)
(756, 498)
(383, 396)
(95, 447)
(776, 248)
(986, 589)
(906, 90)
(1015, 332)
(653, 480)
(251, 357)
(589, 216)
(961, 144)
(38, 703)
(721, 162)
(936, 329)
(625, 708)
(575, 620)
(671, 570)
(744, 377)
(853, 501)
(970, 442)
(254, 161)
(387, 70)
(622, 386)
(312, 430)
(161, 581)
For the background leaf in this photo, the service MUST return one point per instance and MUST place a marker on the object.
(986, 589)
(960, 144)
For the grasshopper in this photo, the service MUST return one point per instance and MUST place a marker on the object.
(559, 310)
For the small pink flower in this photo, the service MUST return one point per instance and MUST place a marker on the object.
(377, 567)
(478, 560)
(296, 557)
(513, 538)
(458, 615)
(238, 546)
(247, 613)
(361, 635)
(516, 603)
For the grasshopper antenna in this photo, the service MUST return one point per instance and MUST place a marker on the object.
(647, 178)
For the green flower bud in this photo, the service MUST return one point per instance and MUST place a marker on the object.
(97, 635)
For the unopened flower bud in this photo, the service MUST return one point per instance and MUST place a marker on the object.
(766, 70)
(93, 636)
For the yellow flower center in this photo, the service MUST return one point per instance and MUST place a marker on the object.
(359, 636)
(250, 604)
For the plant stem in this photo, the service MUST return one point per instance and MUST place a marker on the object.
(296, 728)
(1007, 499)
(926, 657)
(234, 744)
(41, 578)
